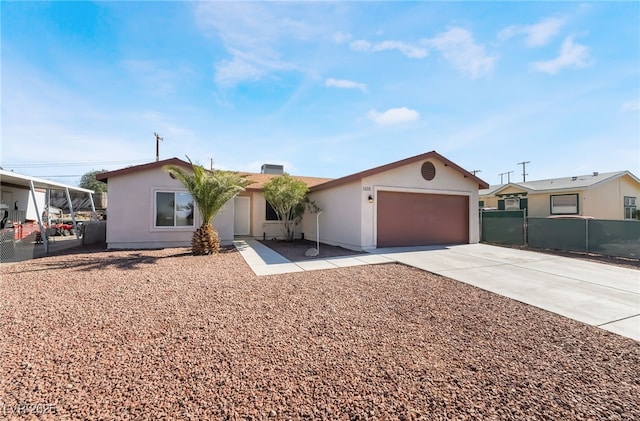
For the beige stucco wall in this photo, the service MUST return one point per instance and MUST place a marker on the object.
(339, 222)
(260, 227)
(131, 213)
(606, 201)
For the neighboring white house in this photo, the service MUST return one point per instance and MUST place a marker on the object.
(20, 199)
(425, 199)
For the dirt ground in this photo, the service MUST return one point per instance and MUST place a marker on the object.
(161, 334)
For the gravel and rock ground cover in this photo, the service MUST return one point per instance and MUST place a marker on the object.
(164, 335)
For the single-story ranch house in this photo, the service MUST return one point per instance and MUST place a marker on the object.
(422, 200)
(611, 195)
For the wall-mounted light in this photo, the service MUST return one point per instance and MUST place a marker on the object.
(370, 198)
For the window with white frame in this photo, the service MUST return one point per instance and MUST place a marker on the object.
(173, 209)
(564, 204)
(629, 207)
(512, 203)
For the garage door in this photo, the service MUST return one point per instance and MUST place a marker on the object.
(415, 219)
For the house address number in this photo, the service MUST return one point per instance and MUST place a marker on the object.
(366, 188)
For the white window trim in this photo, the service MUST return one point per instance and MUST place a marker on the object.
(154, 209)
(577, 206)
(629, 202)
(516, 200)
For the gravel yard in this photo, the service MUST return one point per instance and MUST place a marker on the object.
(162, 334)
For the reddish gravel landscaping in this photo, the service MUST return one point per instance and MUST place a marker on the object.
(161, 334)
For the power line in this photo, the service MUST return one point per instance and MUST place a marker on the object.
(55, 164)
(59, 175)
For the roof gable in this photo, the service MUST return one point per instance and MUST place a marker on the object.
(377, 170)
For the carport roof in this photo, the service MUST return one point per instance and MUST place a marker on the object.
(24, 181)
(433, 154)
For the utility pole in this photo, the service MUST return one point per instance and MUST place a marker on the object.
(211, 159)
(508, 174)
(524, 165)
(158, 139)
(474, 172)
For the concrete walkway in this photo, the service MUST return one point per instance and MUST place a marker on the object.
(597, 294)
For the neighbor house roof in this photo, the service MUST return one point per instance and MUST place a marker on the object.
(367, 173)
(563, 183)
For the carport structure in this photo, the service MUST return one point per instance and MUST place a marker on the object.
(32, 188)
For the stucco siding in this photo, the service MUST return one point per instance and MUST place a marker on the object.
(260, 227)
(606, 201)
(538, 205)
(340, 222)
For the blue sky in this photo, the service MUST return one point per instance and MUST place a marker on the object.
(325, 88)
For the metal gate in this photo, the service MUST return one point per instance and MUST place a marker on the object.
(503, 227)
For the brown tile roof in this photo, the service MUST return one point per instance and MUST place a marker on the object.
(259, 180)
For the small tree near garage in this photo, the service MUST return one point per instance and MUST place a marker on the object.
(286, 196)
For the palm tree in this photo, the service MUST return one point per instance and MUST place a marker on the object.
(210, 191)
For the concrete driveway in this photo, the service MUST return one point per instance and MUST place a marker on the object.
(594, 293)
(597, 294)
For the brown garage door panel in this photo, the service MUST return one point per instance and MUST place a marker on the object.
(413, 219)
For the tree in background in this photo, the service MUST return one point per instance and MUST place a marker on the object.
(286, 196)
(88, 181)
(210, 190)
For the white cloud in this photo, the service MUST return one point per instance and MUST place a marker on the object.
(251, 34)
(408, 50)
(361, 45)
(631, 105)
(572, 55)
(345, 84)
(460, 49)
(537, 34)
(393, 116)
(340, 37)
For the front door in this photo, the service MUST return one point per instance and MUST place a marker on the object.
(241, 215)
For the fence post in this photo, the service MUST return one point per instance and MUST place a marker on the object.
(525, 227)
(481, 225)
(586, 234)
